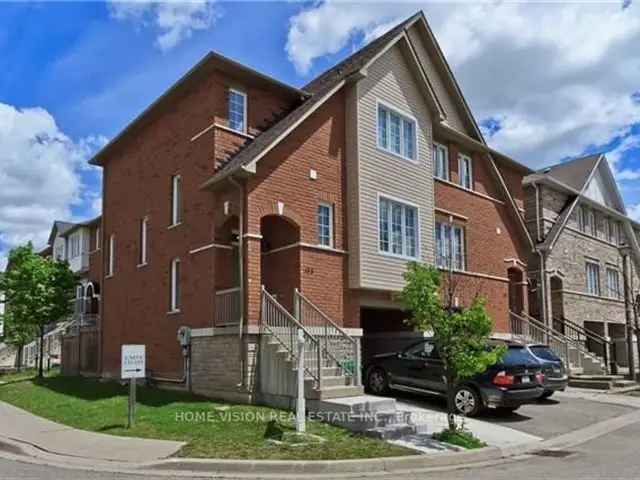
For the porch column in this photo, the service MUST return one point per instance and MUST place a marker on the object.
(252, 279)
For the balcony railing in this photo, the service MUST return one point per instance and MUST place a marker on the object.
(227, 307)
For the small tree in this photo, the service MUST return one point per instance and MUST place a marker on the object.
(460, 334)
(38, 291)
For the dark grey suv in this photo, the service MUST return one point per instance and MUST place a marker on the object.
(517, 379)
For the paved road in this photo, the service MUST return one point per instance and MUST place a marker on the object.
(546, 419)
(610, 457)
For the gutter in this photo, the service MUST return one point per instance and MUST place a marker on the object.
(241, 196)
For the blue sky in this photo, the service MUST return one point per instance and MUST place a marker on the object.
(547, 82)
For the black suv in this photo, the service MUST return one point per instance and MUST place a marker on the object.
(515, 380)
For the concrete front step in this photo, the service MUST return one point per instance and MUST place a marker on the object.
(392, 432)
(337, 381)
(592, 384)
(335, 392)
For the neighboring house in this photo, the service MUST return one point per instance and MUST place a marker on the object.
(76, 243)
(232, 181)
(583, 240)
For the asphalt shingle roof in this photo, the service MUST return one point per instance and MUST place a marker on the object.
(573, 173)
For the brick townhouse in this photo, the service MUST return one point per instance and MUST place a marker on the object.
(237, 205)
(587, 255)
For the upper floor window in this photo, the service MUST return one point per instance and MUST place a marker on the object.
(466, 171)
(613, 283)
(441, 161)
(97, 238)
(74, 245)
(237, 110)
(612, 231)
(59, 252)
(176, 199)
(593, 278)
(325, 224)
(111, 256)
(621, 235)
(450, 248)
(144, 223)
(587, 221)
(396, 133)
(174, 299)
(398, 228)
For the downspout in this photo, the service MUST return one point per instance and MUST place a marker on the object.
(240, 276)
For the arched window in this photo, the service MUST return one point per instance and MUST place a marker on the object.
(174, 299)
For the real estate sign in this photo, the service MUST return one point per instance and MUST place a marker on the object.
(133, 364)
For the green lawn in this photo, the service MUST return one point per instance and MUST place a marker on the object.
(211, 429)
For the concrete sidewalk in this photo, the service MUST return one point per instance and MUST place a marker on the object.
(23, 427)
(494, 435)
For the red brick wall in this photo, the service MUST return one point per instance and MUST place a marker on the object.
(492, 235)
(95, 256)
(283, 175)
(137, 184)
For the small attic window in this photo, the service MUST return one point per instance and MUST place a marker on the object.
(237, 110)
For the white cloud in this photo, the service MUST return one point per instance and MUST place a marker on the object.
(174, 20)
(558, 77)
(634, 212)
(40, 175)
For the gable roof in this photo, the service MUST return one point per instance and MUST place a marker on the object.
(320, 89)
(211, 61)
(59, 228)
(574, 173)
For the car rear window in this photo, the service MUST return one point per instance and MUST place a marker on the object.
(545, 353)
(517, 356)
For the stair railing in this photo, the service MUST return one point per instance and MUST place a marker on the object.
(338, 347)
(586, 337)
(284, 328)
(533, 331)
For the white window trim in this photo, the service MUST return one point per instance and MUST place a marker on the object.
(331, 240)
(610, 293)
(598, 292)
(244, 113)
(174, 306)
(176, 200)
(461, 157)
(144, 228)
(612, 234)
(447, 169)
(418, 256)
(97, 238)
(112, 251)
(463, 234)
(407, 116)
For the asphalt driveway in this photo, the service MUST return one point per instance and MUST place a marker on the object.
(546, 419)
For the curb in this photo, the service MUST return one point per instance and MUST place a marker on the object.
(17, 450)
(13, 450)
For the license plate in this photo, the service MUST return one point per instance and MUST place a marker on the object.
(525, 380)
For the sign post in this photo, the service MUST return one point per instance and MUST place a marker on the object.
(133, 365)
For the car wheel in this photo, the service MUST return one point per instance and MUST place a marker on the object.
(546, 394)
(467, 401)
(378, 381)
